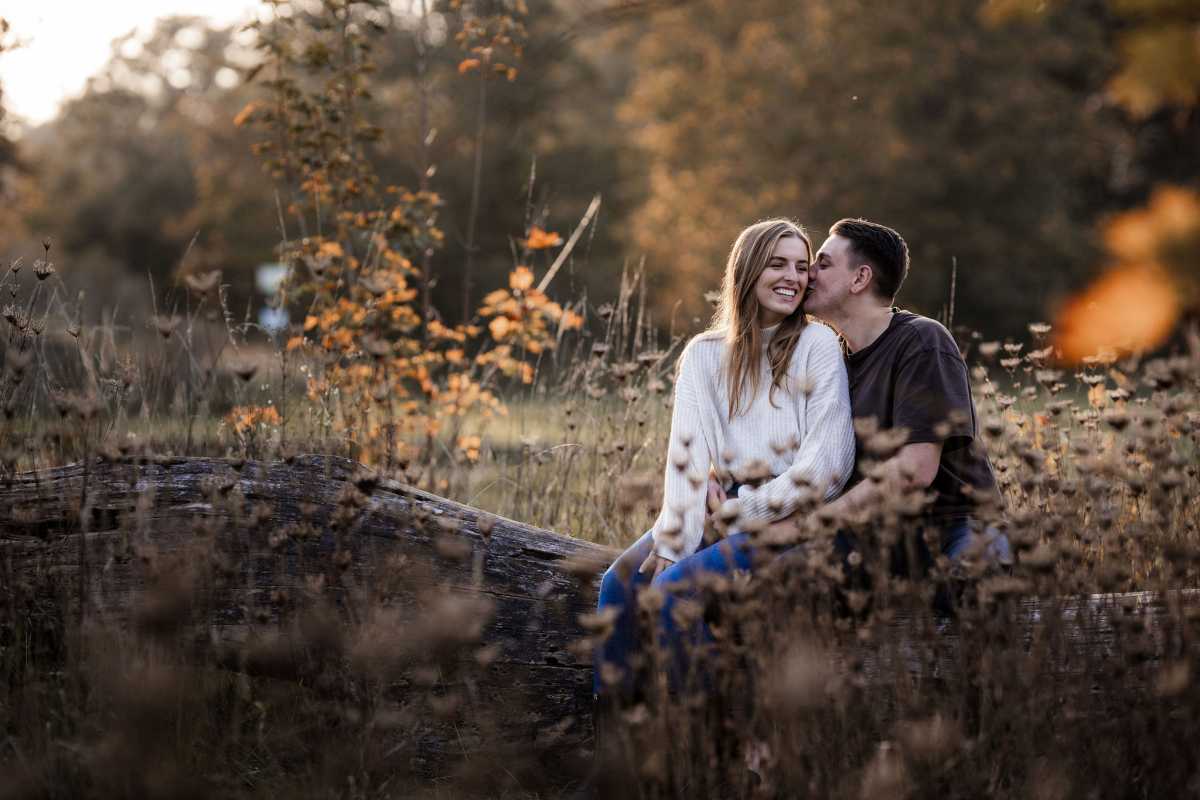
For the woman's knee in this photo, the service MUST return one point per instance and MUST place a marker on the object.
(609, 583)
(622, 573)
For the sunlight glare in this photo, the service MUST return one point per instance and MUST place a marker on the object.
(66, 42)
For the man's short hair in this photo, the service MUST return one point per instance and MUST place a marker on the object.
(882, 248)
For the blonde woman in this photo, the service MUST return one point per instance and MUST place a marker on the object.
(762, 394)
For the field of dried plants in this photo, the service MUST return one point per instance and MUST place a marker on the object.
(1052, 681)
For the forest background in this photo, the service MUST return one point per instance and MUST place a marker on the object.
(1000, 138)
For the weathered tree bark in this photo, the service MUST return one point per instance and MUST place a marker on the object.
(279, 526)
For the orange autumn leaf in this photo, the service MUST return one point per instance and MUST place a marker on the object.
(469, 445)
(495, 297)
(330, 249)
(329, 319)
(520, 279)
(499, 327)
(467, 64)
(294, 343)
(541, 240)
(244, 115)
(244, 418)
(1129, 308)
(571, 321)
(310, 322)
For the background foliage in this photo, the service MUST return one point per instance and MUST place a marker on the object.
(996, 136)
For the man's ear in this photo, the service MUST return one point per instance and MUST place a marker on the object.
(862, 279)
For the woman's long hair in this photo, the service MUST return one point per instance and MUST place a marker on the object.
(737, 312)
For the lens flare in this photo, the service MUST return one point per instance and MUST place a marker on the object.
(1129, 308)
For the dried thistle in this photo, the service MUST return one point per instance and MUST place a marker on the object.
(166, 325)
(244, 369)
(43, 269)
(203, 282)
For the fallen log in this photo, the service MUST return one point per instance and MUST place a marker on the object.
(278, 529)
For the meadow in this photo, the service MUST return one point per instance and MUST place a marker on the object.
(827, 688)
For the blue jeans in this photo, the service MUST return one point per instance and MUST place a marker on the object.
(622, 582)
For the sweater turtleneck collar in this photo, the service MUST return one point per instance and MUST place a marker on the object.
(769, 333)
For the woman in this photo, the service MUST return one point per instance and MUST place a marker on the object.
(763, 393)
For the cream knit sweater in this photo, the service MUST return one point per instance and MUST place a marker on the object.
(806, 436)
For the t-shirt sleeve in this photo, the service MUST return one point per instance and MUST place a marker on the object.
(933, 398)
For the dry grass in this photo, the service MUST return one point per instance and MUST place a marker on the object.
(825, 692)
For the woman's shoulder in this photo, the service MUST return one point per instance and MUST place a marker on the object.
(706, 343)
(817, 333)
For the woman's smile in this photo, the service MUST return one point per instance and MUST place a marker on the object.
(780, 287)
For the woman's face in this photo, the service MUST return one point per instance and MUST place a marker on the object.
(780, 287)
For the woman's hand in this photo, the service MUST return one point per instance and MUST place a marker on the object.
(654, 564)
(716, 495)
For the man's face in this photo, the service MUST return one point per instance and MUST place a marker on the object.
(830, 276)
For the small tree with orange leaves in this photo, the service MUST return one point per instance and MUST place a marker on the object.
(391, 377)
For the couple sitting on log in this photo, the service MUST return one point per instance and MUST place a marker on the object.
(767, 405)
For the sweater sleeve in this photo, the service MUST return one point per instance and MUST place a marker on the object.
(825, 457)
(680, 524)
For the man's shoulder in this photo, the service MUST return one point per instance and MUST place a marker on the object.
(922, 333)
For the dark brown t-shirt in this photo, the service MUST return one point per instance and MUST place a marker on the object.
(914, 377)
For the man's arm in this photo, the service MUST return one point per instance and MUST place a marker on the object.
(913, 468)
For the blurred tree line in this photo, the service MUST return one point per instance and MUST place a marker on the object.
(8, 151)
(995, 136)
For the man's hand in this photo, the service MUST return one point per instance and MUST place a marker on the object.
(782, 531)
(654, 564)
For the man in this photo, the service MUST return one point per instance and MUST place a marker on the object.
(907, 374)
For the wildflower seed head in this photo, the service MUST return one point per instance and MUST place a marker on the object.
(803, 679)
(203, 282)
(43, 269)
(485, 524)
(244, 370)
(1117, 420)
(166, 325)
(18, 360)
(754, 472)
